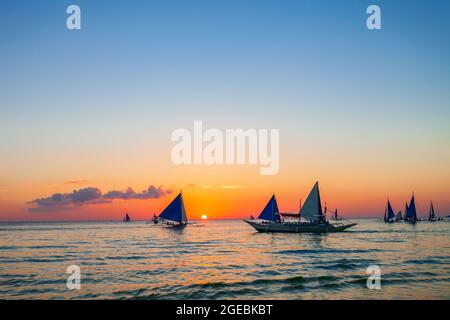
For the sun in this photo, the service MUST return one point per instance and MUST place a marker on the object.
(204, 217)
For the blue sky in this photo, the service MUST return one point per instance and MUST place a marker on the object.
(191, 53)
(266, 60)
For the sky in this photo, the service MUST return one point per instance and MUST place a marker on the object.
(86, 114)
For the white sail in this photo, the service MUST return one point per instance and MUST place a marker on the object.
(312, 208)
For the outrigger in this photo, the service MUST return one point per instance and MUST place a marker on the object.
(432, 216)
(411, 214)
(389, 215)
(126, 218)
(311, 218)
(174, 215)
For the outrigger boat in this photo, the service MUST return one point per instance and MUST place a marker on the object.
(389, 215)
(336, 216)
(174, 215)
(126, 218)
(311, 219)
(411, 214)
(432, 216)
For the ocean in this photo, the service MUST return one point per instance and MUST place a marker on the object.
(222, 260)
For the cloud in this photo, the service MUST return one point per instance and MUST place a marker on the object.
(91, 195)
(151, 193)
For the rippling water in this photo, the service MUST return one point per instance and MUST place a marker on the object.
(222, 260)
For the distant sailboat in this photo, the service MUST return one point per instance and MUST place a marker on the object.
(334, 215)
(411, 213)
(405, 213)
(398, 217)
(389, 214)
(311, 211)
(175, 213)
(126, 218)
(432, 216)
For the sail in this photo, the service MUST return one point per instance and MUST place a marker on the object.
(405, 214)
(432, 215)
(335, 214)
(270, 211)
(412, 215)
(312, 208)
(175, 211)
(399, 216)
(126, 218)
(390, 212)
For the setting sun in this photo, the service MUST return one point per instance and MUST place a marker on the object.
(204, 217)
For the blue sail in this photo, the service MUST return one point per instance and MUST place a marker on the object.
(405, 214)
(270, 211)
(412, 215)
(175, 211)
(390, 212)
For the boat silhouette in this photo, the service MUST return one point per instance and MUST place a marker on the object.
(311, 218)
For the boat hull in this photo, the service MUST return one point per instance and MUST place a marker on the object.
(298, 227)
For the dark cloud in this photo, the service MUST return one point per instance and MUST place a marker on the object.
(85, 195)
(152, 192)
(91, 195)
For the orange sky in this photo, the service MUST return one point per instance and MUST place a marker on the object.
(228, 192)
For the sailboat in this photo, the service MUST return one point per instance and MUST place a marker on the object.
(314, 220)
(432, 216)
(398, 216)
(126, 218)
(411, 213)
(336, 216)
(174, 214)
(405, 213)
(389, 214)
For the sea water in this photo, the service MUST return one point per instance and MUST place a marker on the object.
(222, 260)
